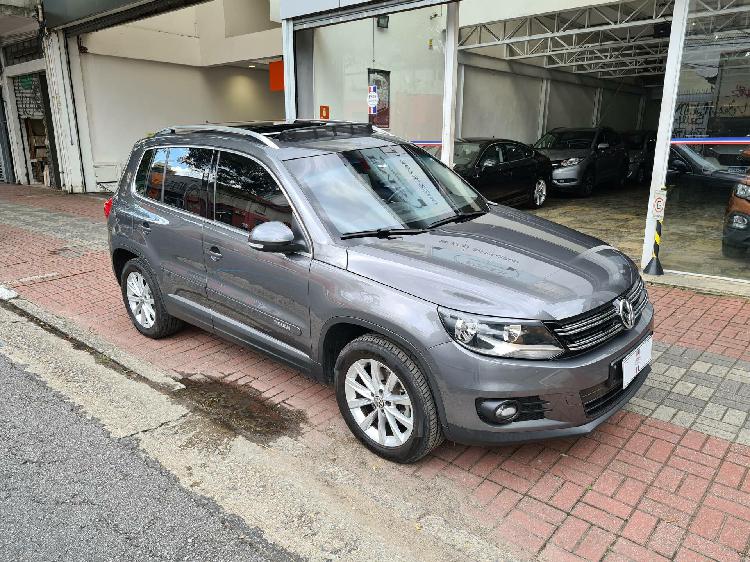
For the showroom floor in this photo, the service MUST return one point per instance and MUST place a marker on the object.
(692, 230)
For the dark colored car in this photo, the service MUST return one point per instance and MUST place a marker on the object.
(360, 259)
(640, 146)
(505, 171)
(584, 158)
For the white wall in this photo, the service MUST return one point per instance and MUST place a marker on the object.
(570, 105)
(127, 99)
(500, 105)
(343, 53)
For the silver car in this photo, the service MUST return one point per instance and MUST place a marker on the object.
(362, 260)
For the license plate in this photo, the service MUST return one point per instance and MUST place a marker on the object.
(636, 361)
(737, 169)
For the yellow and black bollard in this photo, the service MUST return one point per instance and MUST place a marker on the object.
(654, 266)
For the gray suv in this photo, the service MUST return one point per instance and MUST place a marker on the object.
(362, 260)
(584, 158)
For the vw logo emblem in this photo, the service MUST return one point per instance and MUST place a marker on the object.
(625, 310)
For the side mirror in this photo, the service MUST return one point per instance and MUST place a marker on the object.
(678, 166)
(602, 146)
(273, 236)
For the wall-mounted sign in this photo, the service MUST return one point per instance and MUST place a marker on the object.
(325, 112)
(379, 97)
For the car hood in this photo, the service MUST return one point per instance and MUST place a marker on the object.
(506, 263)
(564, 154)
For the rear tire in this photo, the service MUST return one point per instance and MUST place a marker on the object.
(385, 399)
(144, 303)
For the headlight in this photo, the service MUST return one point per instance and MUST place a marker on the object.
(742, 190)
(517, 339)
(571, 162)
(738, 222)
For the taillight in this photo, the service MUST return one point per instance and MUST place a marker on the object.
(107, 207)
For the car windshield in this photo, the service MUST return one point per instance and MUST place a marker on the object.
(700, 161)
(634, 141)
(390, 187)
(465, 153)
(566, 139)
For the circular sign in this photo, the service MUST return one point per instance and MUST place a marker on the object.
(372, 99)
(660, 201)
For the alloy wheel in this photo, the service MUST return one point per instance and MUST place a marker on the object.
(379, 403)
(540, 192)
(140, 299)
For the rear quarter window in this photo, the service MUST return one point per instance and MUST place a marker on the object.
(141, 174)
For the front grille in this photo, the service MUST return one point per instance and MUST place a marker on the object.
(595, 327)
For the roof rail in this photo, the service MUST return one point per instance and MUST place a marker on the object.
(219, 129)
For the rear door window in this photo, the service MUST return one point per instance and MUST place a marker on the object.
(247, 195)
(155, 179)
(141, 174)
(186, 179)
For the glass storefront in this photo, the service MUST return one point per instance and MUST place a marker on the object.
(387, 70)
(707, 221)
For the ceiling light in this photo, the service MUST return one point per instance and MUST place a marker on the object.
(251, 66)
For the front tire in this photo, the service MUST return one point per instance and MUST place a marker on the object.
(539, 193)
(385, 399)
(732, 251)
(587, 184)
(144, 303)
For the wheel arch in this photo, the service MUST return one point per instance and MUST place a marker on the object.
(337, 332)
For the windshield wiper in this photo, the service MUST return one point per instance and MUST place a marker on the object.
(461, 217)
(382, 233)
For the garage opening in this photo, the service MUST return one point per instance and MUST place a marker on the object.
(208, 63)
(583, 87)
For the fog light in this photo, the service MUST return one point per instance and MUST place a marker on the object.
(737, 222)
(506, 411)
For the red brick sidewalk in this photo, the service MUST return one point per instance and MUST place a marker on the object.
(636, 489)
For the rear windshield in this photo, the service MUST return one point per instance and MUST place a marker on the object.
(387, 187)
(566, 140)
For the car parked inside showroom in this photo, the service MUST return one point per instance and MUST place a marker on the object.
(640, 146)
(503, 170)
(735, 241)
(358, 258)
(584, 158)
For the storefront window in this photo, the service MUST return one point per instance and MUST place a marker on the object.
(387, 70)
(707, 222)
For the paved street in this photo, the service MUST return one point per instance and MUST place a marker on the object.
(668, 478)
(70, 491)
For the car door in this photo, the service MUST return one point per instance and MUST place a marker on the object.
(168, 225)
(522, 166)
(604, 156)
(258, 298)
(494, 175)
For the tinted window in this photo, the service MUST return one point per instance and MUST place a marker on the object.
(141, 175)
(247, 195)
(186, 179)
(614, 138)
(465, 153)
(493, 156)
(514, 152)
(156, 175)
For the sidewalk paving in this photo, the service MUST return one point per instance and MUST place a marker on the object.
(666, 479)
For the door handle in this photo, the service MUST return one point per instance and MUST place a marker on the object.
(214, 253)
(146, 227)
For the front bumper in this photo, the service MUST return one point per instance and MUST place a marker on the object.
(464, 378)
(568, 177)
(737, 237)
